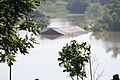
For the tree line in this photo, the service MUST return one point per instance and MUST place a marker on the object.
(77, 6)
(109, 19)
(103, 15)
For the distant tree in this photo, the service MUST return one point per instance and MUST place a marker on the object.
(93, 10)
(41, 19)
(110, 18)
(95, 1)
(69, 4)
(13, 19)
(100, 1)
(48, 6)
(78, 6)
(104, 1)
(73, 58)
(54, 9)
(54, 1)
(35, 14)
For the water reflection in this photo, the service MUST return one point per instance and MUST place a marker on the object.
(50, 37)
(53, 37)
(111, 41)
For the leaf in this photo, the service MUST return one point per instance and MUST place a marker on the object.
(64, 70)
(60, 59)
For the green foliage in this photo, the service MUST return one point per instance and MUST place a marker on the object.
(110, 18)
(54, 9)
(93, 10)
(42, 22)
(78, 6)
(64, 7)
(14, 18)
(100, 1)
(104, 1)
(73, 58)
(95, 1)
(41, 19)
(54, 1)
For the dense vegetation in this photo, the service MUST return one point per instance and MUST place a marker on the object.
(109, 19)
(41, 19)
(70, 6)
(54, 8)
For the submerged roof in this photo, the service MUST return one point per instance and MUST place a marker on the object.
(75, 30)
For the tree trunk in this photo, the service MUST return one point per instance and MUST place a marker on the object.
(82, 77)
(10, 74)
(90, 69)
(77, 77)
(72, 78)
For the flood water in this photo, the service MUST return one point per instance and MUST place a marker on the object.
(42, 62)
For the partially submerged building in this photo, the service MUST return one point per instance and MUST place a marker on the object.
(62, 32)
(66, 31)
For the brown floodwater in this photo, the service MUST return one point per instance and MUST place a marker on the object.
(42, 62)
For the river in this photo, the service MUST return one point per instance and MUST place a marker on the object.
(42, 62)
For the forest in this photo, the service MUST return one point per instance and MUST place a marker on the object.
(70, 6)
